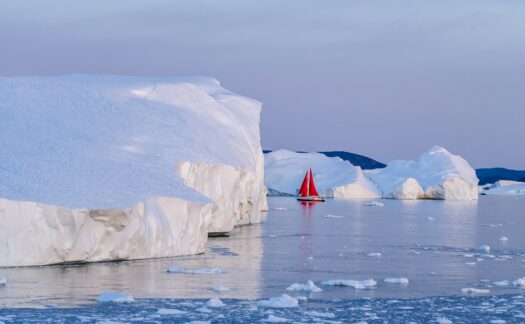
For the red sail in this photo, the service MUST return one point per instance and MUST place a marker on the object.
(313, 191)
(304, 192)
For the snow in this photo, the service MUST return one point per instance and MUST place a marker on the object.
(475, 291)
(334, 177)
(309, 287)
(146, 166)
(403, 281)
(215, 302)
(110, 296)
(357, 284)
(196, 270)
(438, 174)
(284, 301)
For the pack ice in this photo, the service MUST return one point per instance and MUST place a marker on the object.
(334, 177)
(438, 174)
(97, 168)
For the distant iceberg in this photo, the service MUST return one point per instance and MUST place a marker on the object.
(334, 177)
(98, 168)
(505, 187)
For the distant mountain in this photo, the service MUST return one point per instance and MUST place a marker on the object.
(364, 162)
(491, 175)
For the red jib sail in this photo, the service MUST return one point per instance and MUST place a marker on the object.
(308, 187)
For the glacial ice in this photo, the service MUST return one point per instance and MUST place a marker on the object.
(118, 167)
(438, 174)
(507, 188)
(334, 177)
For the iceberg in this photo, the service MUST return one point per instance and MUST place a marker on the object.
(507, 188)
(98, 168)
(438, 174)
(334, 177)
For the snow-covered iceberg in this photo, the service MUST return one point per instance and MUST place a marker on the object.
(334, 177)
(505, 187)
(99, 168)
(438, 174)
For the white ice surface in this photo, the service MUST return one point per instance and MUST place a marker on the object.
(334, 177)
(97, 146)
(515, 189)
(283, 301)
(215, 302)
(309, 287)
(438, 174)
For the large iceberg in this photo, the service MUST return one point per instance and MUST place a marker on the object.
(438, 174)
(97, 168)
(505, 187)
(334, 177)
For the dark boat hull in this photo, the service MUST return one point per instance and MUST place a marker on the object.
(312, 198)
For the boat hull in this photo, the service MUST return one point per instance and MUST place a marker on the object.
(311, 198)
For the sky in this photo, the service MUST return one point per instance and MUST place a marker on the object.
(388, 79)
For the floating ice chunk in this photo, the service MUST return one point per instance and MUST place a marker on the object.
(502, 283)
(204, 310)
(403, 281)
(484, 248)
(475, 291)
(309, 287)
(374, 254)
(221, 288)
(215, 302)
(443, 320)
(468, 255)
(279, 208)
(357, 284)
(520, 283)
(374, 204)
(503, 239)
(276, 319)
(284, 301)
(470, 263)
(3, 282)
(333, 216)
(319, 314)
(494, 225)
(310, 258)
(110, 296)
(196, 271)
(430, 218)
(170, 311)
(497, 321)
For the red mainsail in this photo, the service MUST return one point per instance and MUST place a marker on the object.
(308, 187)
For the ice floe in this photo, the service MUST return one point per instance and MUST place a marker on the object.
(170, 311)
(357, 284)
(115, 297)
(309, 287)
(475, 291)
(402, 280)
(215, 302)
(283, 301)
(220, 288)
(375, 254)
(519, 283)
(196, 270)
(275, 319)
(484, 248)
(374, 204)
(3, 282)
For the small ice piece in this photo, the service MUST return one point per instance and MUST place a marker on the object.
(356, 284)
(279, 208)
(484, 248)
(333, 216)
(519, 283)
(310, 258)
(276, 319)
(319, 314)
(497, 321)
(502, 283)
(221, 288)
(468, 255)
(110, 296)
(475, 291)
(374, 254)
(196, 271)
(470, 263)
(374, 204)
(284, 301)
(443, 320)
(204, 310)
(430, 218)
(215, 302)
(170, 311)
(309, 287)
(403, 280)
(415, 252)
(3, 282)
(503, 239)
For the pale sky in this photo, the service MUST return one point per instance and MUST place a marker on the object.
(388, 79)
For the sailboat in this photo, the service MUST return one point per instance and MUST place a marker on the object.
(308, 191)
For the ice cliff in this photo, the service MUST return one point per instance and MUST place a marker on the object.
(99, 168)
(438, 174)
